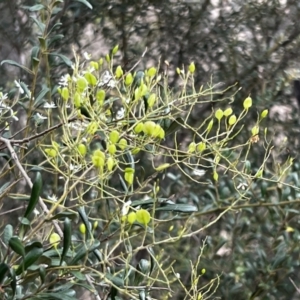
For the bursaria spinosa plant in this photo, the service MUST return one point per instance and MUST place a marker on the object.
(106, 146)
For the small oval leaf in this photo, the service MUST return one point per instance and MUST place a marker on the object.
(67, 238)
(16, 245)
(30, 258)
(85, 250)
(4, 268)
(184, 208)
(7, 234)
(35, 194)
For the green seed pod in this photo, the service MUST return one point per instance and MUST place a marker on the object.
(115, 50)
(149, 127)
(232, 120)
(65, 93)
(264, 113)
(54, 239)
(122, 144)
(110, 163)
(143, 216)
(228, 112)
(77, 100)
(192, 68)
(119, 72)
(114, 136)
(100, 96)
(94, 65)
(151, 100)
(192, 147)
(139, 128)
(128, 79)
(81, 84)
(219, 114)
(131, 218)
(82, 228)
(112, 149)
(51, 152)
(82, 149)
(201, 147)
(247, 103)
(91, 79)
(151, 72)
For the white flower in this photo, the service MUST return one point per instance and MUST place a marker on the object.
(3, 106)
(14, 117)
(64, 80)
(177, 275)
(75, 168)
(41, 117)
(18, 85)
(126, 207)
(120, 113)
(87, 56)
(242, 186)
(50, 105)
(107, 79)
(36, 212)
(77, 125)
(52, 198)
(198, 172)
(2, 97)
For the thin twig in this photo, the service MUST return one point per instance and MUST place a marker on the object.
(26, 140)
(14, 156)
(137, 63)
(92, 285)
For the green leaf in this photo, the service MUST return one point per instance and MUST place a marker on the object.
(36, 7)
(175, 125)
(54, 38)
(4, 268)
(35, 194)
(24, 221)
(183, 208)
(53, 296)
(86, 222)
(35, 52)
(124, 185)
(130, 159)
(16, 245)
(40, 96)
(66, 214)
(67, 238)
(39, 24)
(116, 280)
(7, 234)
(78, 275)
(42, 273)
(86, 3)
(32, 244)
(26, 90)
(4, 186)
(98, 255)
(13, 63)
(54, 27)
(13, 283)
(113, 293)
(85, 250)
(65, 59)
(31, 257)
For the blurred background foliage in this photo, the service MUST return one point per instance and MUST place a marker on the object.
(252, 45)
